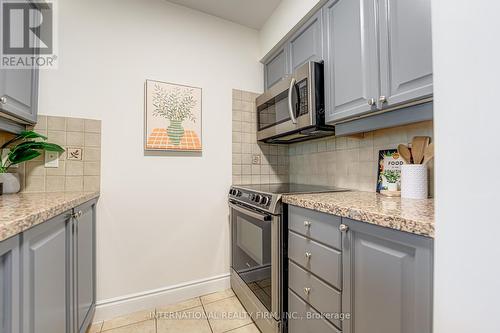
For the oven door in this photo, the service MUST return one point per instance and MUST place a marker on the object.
(290, 105)
(255, 255)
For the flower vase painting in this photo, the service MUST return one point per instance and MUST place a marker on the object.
(173, 117)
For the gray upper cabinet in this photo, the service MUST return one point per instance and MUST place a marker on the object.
(406, 50)
(9, 285)
(46, 260)
(276, 68)
(19, 94)
(306, 44)
(351, 61)
(387, 280)
(85, 264)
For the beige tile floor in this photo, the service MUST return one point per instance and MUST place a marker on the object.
(214, 313)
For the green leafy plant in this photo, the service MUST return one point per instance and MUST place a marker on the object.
(392, 176)
(175, 105)
(26, 150)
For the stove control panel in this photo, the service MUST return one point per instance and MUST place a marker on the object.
(253, 198)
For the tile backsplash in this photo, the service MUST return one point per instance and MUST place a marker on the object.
(254, 163)
(79, 166)
(350, 162)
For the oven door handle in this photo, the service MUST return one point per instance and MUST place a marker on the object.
(290, 102)
(261, 217)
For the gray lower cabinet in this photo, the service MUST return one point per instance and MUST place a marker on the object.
(351, 61)
(387, 280)
(9, 285)
(405, 51)
(306, 44)
(380, 279)
(46, 273)
(85, 264)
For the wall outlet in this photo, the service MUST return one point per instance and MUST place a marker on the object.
(51, 159)
(255, 159)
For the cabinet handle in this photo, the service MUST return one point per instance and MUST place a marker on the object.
(307, 290)
(382, 99)
(307, 224)
(3, 100)
(371, 101)
(343, 227)
(308, 255)
(77, 214)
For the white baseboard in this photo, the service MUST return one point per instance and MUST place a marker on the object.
(150, 299)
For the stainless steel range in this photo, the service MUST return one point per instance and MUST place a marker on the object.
(258, 244)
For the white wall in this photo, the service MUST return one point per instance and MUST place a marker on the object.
(284, 18)
(467, 122)
(162, 220)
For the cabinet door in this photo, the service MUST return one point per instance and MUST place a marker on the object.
(85, 264)
(19, 89)
(19, 93)
(388, 280)
(351, 62)
(9, 285)
(46, 258)
(406, 50)
(275, 69)
(307, 44)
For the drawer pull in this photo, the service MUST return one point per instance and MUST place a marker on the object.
(307, 290)
(307, 224)
(343, 227)
(308, 255)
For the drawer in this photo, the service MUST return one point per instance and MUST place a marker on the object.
(299, 321)
(320, 295)
(316, 258)
(321, 227)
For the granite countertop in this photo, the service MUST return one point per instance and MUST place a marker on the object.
(21, 211)
(410, 215)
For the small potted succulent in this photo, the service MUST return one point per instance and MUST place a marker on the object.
(20, 149)
(392, 178)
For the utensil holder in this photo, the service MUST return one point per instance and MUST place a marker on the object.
(414, 181)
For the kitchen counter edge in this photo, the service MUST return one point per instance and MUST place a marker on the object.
(22, 211)
(408, 215)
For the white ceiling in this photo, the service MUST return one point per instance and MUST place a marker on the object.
(250, 13)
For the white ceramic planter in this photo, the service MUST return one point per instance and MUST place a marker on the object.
(414, 181)
(11, 183)
(392, 186)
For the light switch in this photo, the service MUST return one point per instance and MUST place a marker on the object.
(51, 159)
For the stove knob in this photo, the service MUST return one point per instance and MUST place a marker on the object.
(257, 198)
(252, 197)
(231, 192)
(238, 193)
(264, 200)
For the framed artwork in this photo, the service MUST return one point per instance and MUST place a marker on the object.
(389, 170)
(172, 117)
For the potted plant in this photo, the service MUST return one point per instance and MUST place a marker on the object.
(392, 178)
(20, 149)
(175, 106)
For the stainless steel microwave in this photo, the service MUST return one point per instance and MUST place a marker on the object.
(293, 109)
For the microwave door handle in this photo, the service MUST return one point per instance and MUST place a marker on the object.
(290, 103)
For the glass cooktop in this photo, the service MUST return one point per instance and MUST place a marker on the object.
(291, 188)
